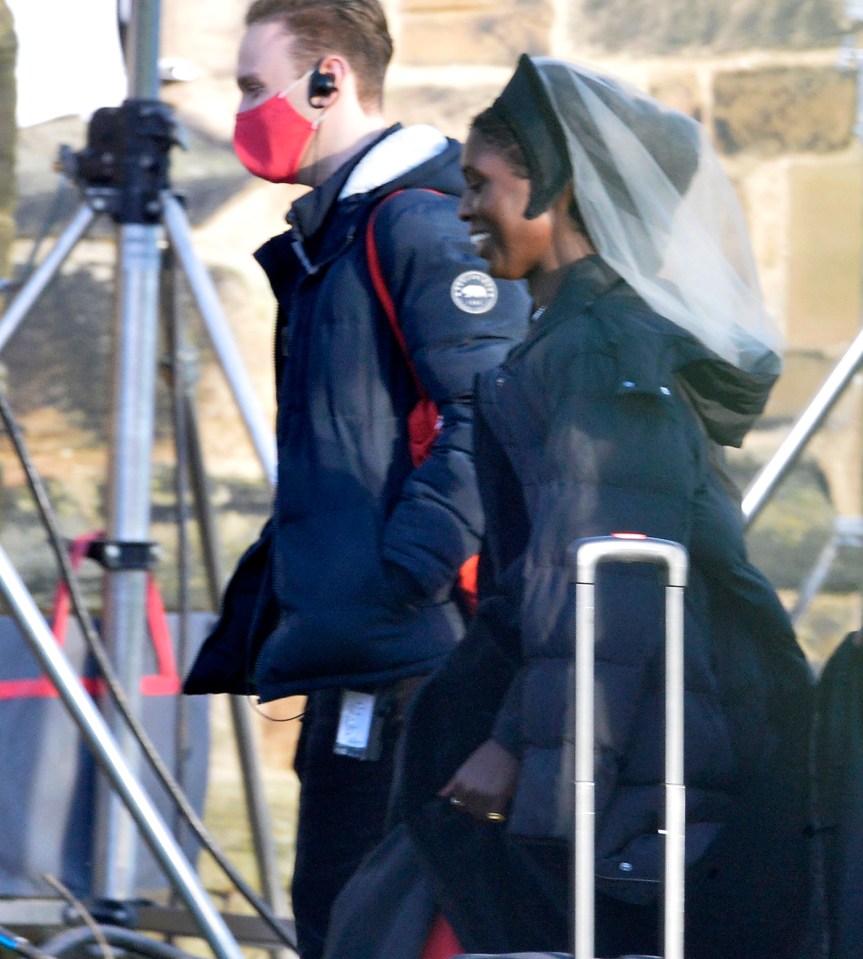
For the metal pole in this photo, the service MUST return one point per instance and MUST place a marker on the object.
(584, 856)
(675, 789)
(783, 459)
(41, 277)
(260, 432)
(124, 604)
(142, 49)
(135, 346)
(260, 821)
(104, 747)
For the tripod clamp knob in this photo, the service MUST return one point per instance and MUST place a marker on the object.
(117, 555)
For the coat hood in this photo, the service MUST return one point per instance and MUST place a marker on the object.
(727, 400)
(438, 170)
(654, 352)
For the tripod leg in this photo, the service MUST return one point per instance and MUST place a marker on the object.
(260, 821)
(106, 751)
(35, 286)
(247, 747)
(204, 291)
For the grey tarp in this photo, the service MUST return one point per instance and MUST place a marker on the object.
(48, 776)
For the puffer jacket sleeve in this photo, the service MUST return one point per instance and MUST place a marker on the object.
(426, 258)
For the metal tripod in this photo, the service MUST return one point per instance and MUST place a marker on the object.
(123, 173)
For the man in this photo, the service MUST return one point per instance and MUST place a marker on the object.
(349, 594)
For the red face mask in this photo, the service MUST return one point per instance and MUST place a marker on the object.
(270, 139)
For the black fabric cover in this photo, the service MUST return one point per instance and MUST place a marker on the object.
(839, 770)
(525, 109)
(386, 909)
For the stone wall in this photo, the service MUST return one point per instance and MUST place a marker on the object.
(7, 136)
(765, 76)
(675, 27)
(776, 87)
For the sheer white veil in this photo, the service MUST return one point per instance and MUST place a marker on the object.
(661, 211)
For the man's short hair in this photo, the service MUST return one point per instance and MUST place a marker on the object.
(356, 29)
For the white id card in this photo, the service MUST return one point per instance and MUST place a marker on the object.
(355, 723)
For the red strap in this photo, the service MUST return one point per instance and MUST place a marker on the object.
(423, 420)
(442, 942)
(166, 680)
(383, 292)
(467, 582)
(60, 608)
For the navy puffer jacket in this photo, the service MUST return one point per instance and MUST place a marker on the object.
(351, 583)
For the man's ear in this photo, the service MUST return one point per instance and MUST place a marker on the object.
(326, 80)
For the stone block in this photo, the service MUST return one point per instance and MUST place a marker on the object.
(783, 110)
(450, 108)
(209, 39)
(824, 250)
(644, 27)
(476, 32)
(803, 374)
(680, 89)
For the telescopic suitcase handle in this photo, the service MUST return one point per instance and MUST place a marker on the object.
(585, 555)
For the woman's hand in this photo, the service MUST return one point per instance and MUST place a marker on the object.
(484, 783)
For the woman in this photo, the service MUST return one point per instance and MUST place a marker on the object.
(649, 350)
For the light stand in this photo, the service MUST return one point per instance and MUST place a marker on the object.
(104, 747)
(124, 173)
(848, 530)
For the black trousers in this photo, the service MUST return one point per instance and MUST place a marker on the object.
(342, 815)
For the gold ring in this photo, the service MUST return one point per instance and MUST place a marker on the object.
(495, 817)
(455, 802)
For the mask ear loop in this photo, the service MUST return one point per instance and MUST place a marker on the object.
(282, 94)
(316, 123)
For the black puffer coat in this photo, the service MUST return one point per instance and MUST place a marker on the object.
(606, 419)
(590, 418)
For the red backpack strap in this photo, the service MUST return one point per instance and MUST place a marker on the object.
(423, 420)
(383, 293)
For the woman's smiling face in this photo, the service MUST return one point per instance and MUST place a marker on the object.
(493, 204)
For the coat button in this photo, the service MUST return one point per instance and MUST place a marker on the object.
(626, 867)
(628, 385)
(499, 380)
(665, 391)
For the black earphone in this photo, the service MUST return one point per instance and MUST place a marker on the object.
(321, 85)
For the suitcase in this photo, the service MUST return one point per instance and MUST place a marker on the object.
(585, 557)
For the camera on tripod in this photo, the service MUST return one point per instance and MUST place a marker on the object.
(124, 164)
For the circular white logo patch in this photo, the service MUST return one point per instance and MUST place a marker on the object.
(474, 292)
